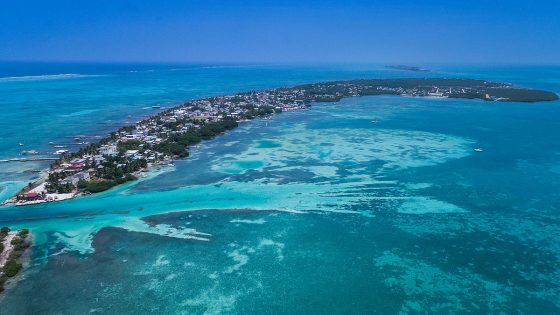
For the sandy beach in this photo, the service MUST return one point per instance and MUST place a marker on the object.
(8, 248)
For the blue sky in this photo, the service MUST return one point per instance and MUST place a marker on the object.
(327, 31)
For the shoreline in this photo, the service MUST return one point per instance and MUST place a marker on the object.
(140, 175)
(14, 248)
(133, 150)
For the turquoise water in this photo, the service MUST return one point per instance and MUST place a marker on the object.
(93, 100)
(315, 211)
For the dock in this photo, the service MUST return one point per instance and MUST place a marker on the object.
(29, 159)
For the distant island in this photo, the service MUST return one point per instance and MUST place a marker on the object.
(407, 68)
(157, 140)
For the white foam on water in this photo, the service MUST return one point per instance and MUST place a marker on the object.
(161, 261)
(418, 186)
(189, 264)
(238, 257)
(270, 243)
(323, 170)
(292, 211)
(424, 205)
(47, 77)
(257, 221)
(80, 113)
(213, 301)
(396, 149)
(137, 225)
(230, 143)
(421, 282)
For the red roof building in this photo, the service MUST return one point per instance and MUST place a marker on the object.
(29, 196)
(77, 166)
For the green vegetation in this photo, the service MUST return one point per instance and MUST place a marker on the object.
(19, 244)
(522, 95)
(55, 186)
(96, 186)
(473, 89)
(213, 129)
(13, 265)
(258, 112)
(4, 232)
(116, 167)
(123, 146)
(171, 148)
(23, 233)
(177, 144)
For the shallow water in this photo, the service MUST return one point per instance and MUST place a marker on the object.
(374, 204)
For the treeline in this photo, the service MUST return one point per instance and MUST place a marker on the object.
(331, 91)
(123, 146)
(13, 265)
(54, 185)
(258, 112)
(176, 145)
(95, 186)
(115, 167)
(522, 95)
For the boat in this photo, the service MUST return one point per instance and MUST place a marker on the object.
(60, 152)
(156, 106)
(60, 146)
(21, 144)
(479, 150)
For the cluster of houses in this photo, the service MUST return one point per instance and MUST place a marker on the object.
(154, 130)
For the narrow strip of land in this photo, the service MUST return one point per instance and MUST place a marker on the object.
(12, 246)
(159, 139)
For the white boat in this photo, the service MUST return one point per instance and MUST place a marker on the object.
(29, 152)
(60, 152)
(21, 144)
(478, 150)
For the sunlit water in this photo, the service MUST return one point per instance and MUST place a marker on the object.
(374, 204)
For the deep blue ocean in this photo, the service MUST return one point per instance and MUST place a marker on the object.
(369, 205)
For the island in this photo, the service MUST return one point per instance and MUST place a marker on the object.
(13, 244)
(125, 154)
(407, 68)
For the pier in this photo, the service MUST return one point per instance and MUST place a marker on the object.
(29, 159)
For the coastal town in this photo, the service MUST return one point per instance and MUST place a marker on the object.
(125, 154)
